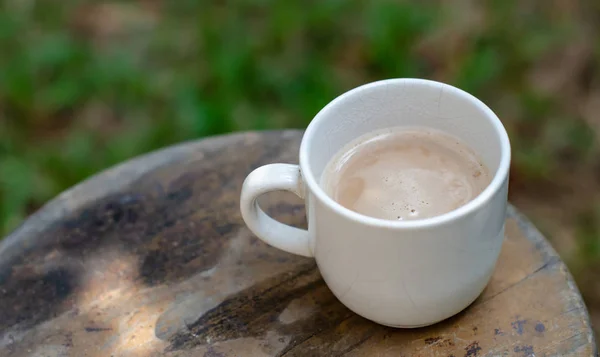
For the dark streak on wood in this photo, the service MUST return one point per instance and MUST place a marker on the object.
(97, 329)
(245, 313)
(473, 349)
(353, 346)
(296, 348)
(553, 261)
(432, 340)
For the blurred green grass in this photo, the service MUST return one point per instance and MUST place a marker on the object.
(86, 84)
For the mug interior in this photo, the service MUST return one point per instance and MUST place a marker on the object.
(410, 103)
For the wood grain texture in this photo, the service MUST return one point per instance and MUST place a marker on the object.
(151, 258)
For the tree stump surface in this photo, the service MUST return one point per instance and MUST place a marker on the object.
(152, 258)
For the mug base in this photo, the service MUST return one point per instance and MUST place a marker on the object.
(405, 326)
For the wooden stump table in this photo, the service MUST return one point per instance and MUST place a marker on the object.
(151, 258)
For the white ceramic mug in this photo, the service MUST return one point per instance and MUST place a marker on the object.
(396, 273)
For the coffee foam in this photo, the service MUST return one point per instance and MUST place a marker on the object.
(405, 174)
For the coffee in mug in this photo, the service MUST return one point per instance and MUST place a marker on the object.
(405, 174)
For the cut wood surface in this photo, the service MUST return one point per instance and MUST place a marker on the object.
(152, 258)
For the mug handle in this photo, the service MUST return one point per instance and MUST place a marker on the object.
(268, 178)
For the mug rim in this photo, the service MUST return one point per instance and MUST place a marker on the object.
(497, 182)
